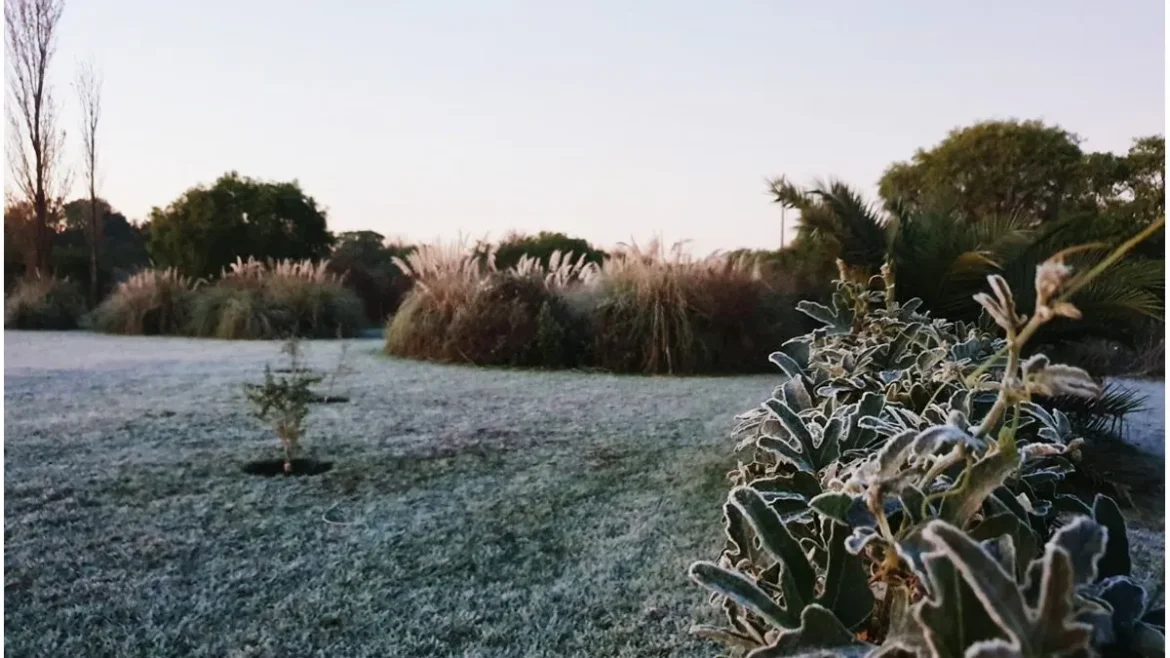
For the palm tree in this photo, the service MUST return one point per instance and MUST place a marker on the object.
(944, 259)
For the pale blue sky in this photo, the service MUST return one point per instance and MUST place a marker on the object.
(611, 120)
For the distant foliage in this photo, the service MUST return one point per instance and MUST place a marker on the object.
(945, 256)
(122, 251)
(541, 247)
(991, 169)
(208, 228)
(43, 303)
(660, 311)
(152, 302)
(366, 261)
(899, 494)
(276, 299)
(462, 310)
(646, 311)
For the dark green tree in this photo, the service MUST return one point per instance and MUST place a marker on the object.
(541, 246)
(207, 228)
(366, 260)
(122, 247)
(990, 169)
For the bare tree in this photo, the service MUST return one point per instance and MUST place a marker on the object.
(89, 92)
(35, 145)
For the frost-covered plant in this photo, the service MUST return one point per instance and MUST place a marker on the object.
(46, 302)
(901, 495)
(343, 368)
(153, 301)
(283, 400)
(256, 299)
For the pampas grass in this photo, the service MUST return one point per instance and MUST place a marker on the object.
(652, 310)
(44, 303)
(659, 310)
(274, 300)
(463, 310)
(151, 302)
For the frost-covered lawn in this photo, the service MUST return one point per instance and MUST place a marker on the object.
(470, 512)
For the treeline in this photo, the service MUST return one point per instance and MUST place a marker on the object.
(995, 196)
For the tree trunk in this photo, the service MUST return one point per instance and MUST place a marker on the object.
(95, 236)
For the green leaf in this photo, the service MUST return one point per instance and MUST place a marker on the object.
(820, 634)
(735, 527)
(1051, 629)
(829, 449)
(952, 618)
(792, 423)
(1115, 562)
(914, 505)
(1085, 543)
(846, 591)
(786, 364)
(800, 482)
(1055, 631)
(797, 576)
(785, 451)
(795, 394)
(1128, 600)
(743, 591)
(977, 482)
(832, 504)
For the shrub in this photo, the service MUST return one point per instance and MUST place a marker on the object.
(43, 303)
(277, 299)
(151, 302)
(661, 312)
(283, 400)
(462, 310)
(902, 494)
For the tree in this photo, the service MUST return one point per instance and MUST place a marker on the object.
(990, 169)
(89, 93)
(541, 247)
(365, 259)
(35, 145)
(208, 228)
(943, 258)
(122, 245)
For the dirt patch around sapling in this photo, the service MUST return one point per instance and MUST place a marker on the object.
(275, 467)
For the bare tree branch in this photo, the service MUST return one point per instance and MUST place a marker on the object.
(89, 93)
(35, 145)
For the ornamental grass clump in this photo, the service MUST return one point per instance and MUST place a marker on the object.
(38, 302)
(151, 302)
(464, 310)
(662, 311)
(272, 299)
(900, 494)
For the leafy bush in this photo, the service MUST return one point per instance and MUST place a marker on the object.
(901, 496)
(463, 311)
(276, 299)
(659, 312)
(43, 303)
(151, 302)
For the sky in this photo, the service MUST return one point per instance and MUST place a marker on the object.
(611, 120)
